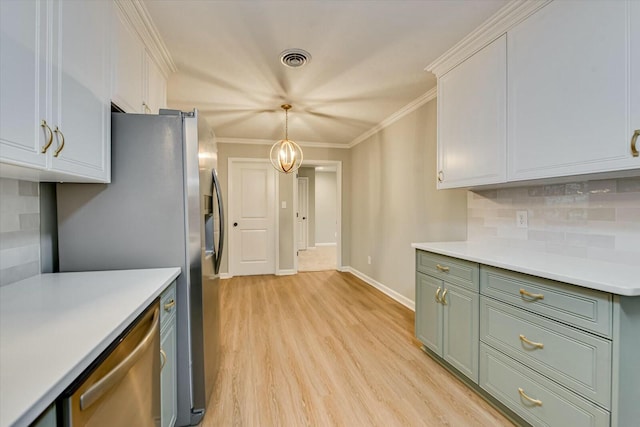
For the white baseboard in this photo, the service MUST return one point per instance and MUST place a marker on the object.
(411, 305)
(285, 272)
(344, 269)
(326, 244)
(225, 276)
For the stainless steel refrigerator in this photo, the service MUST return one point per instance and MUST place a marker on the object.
(163, 208)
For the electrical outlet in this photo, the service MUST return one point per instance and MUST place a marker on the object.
(369, 259)
(522, 220)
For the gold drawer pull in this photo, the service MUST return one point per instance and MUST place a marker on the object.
(443, 299)
(50, 139)
(61, 144)
(634, 139)
(530, 295)
(534, 401)
(527, 341)
(442, 268)
(163, 355)
(438, 295)
(168, 306)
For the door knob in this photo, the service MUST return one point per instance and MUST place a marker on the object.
(235, 224)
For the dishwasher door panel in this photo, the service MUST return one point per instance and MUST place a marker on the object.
(124, 389)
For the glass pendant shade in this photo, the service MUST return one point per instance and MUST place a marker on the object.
(286, 155)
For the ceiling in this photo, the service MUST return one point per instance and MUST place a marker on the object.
(368, 60)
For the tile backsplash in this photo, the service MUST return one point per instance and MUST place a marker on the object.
(19, 230)
(587, 219)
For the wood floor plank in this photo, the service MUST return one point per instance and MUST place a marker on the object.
(326, 349)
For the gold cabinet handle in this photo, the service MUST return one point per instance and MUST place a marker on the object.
(443, 299)
(530, 399)
(442, 268)
(634, 139)
(438, 294)
(531, 343)
(440, 176)
(61, 145)
(168, 306)
(530, 295)
(164, 359)
(46, 146)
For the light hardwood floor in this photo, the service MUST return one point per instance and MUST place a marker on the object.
(325, 349)
(319, 259)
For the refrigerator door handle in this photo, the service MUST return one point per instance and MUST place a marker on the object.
(218, 195)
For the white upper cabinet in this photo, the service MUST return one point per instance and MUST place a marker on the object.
(23, 82)
(156, 87)
(635, 77)
(81, 86)
(570, 85)
(472, 129)
(128, 68)
(54, 116)
(139, 82)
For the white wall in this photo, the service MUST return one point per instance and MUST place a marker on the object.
(395, 202)
(325, 207)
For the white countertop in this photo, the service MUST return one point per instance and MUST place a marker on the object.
(52, 326)
(621, 279)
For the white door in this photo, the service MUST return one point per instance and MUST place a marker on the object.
(23, 82)
(569, 90)
(303, 213)
(81, 76)
(252, 218)
(472, 128)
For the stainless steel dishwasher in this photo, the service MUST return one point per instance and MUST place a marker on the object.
(122, 388)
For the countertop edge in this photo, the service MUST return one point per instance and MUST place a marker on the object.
(577, 280)
(49, 396)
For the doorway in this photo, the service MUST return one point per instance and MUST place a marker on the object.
(322, 251)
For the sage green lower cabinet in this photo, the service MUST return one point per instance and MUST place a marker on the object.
(555, 354)
(47, 419)
(168, 342)
(447, 319)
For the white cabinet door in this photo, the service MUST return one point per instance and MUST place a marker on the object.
(156, 89)
(128, 56)
(23, 82)
(472, 120)
(81, 83)
(569, 90)
(635, 73)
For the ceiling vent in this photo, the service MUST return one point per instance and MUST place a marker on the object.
(295, 58)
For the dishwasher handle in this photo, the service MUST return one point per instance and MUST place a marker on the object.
(113, 377)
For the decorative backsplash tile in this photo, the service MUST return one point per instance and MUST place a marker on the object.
(19, 230)
(588, 219)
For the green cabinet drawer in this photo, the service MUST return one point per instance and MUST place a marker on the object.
(585, 308)
(457, 271)
(578, 360)
(532, 396)
(167, 304)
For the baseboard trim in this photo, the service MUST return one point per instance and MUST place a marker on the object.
(285, 272)
(225, 276)
(326, 244)
(411, 305)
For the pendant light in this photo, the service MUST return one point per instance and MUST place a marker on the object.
(286, 155)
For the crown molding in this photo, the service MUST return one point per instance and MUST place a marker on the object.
(137, 15)
(503, 20)
(248, 141)
(409, 108)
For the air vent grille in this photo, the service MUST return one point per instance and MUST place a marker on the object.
(295, 58)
